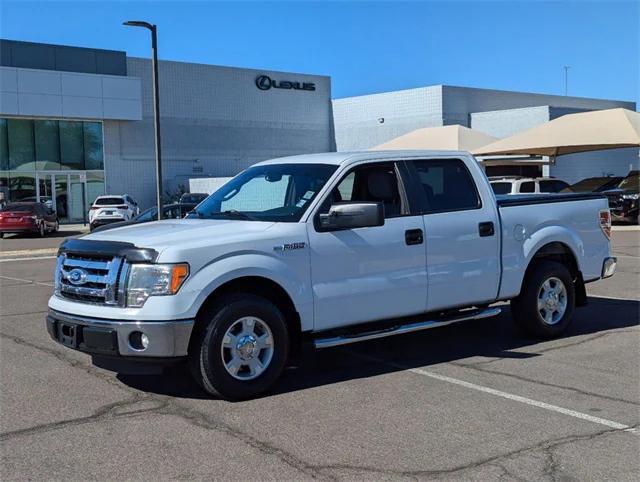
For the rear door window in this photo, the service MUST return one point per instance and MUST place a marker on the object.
(447, 185)
(501, 187)
(528, 186)
(552, 185)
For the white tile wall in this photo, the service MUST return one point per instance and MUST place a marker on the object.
(33, 92)
(215, 122)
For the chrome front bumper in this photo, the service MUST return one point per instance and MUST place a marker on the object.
(98, 336)
(609, 267)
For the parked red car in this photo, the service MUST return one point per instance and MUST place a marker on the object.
(27, 217)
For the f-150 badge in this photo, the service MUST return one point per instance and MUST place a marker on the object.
(289, 247)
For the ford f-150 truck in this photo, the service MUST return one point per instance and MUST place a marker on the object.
(325, 250)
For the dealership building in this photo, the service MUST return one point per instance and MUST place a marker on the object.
(78, 122)
(366, 121)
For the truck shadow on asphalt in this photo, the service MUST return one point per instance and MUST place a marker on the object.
(495, 338)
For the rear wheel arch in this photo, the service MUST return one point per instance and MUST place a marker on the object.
(561, 253)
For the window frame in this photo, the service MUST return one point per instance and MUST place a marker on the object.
(402, 174)
(536, 188)
(421, 195)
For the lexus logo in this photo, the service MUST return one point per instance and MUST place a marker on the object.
(77, 276)
(264, 82)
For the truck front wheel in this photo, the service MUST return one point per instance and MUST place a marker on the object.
(546, 303)
(241, 348)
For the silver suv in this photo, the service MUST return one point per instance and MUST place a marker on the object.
(526, 185)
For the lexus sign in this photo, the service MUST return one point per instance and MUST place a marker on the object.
(264, 82)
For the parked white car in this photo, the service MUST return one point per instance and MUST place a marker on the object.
(526, 185)
(323, 250)
(112, 209)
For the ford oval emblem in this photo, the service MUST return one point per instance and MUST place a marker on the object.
(77, 276)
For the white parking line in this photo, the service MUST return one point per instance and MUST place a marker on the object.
(508, 396)
(26, 259)
(30, 281)
(611, 297)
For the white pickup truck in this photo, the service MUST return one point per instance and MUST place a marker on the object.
(325, 249)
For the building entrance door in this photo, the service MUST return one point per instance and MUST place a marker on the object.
(65, 193)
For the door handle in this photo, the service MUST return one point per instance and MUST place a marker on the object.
(486, 229)
(413, 236)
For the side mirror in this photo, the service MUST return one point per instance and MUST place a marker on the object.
(352, 215)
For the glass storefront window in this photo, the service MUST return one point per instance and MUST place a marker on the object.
(22, 186)
(93, 158)
(4, 147)
(95, 185)
(47, 144)
(4, 187)
(20, 143)
(40, 151)
(71, 145)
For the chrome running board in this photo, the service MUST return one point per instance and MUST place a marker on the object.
(402, 329)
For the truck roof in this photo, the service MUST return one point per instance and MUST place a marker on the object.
(339, 158)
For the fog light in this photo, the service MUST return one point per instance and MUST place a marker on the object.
(138, 340)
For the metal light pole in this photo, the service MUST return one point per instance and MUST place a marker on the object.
(566, 79)
(156, 106)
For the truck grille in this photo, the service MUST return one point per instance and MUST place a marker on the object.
(90, 279)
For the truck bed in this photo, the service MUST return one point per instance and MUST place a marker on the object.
(529, 221)
(507, 200)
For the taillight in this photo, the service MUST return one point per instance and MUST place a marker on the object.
(605, 222)
(124, 206)
(93, 208)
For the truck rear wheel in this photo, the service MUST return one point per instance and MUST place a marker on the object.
(241, 348)
(546, 303)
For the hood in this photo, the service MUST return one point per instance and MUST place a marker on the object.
(619, 192)
(160, 235)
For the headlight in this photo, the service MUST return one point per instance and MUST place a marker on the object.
(630, 196)
(154, 280)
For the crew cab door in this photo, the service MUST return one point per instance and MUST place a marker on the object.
(462, 234)
(372, 273)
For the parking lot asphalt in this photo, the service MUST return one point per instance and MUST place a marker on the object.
(473, 401)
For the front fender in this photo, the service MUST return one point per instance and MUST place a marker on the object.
(292, 274)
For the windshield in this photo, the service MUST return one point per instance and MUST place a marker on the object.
(630, 183)
(192, 198)
(501, 187)
(150, 214)
(108, 201)
(274, 192)
(592, 184)
(28, 208)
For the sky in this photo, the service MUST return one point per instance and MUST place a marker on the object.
(369, 46)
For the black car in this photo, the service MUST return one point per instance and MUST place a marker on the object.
(170, 211)
(595, 184)
(623, 200)
(193, 197)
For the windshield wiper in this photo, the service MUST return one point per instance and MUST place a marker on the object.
(238, 214)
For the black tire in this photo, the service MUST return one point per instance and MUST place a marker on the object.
(1, 235)
(524, 308)
(205, 358)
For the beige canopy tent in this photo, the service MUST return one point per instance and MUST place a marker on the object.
(447, 138)
(571, 133)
